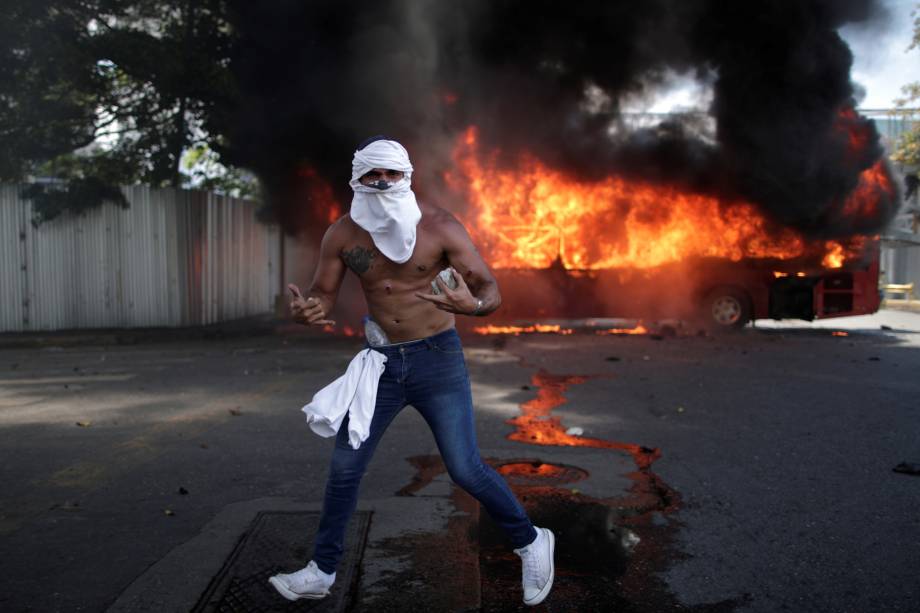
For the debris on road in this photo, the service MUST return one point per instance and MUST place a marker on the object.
(908, 468)
(67, 505)
(84, 424)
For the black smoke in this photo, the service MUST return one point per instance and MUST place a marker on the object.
(318, 77)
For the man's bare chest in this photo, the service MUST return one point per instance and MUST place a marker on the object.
(368, 263)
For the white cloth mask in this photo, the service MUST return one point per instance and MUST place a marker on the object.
(388, 211)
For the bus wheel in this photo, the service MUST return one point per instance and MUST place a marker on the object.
(726, 308)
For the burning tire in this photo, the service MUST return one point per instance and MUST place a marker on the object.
(726, 308)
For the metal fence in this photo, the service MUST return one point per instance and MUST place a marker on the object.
(900, 258)
(172, 258)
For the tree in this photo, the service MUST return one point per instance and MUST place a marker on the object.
(907, 150)
(98, 93)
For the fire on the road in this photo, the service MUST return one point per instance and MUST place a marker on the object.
(518, 330)
(639, 329)
(537, 426)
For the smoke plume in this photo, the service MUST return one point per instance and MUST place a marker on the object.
(551, 79)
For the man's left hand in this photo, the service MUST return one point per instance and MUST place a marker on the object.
(459, 301)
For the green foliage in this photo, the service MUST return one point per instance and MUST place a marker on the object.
(75, 196)
(108, 92)
(48, 84)
(907, 150)
(203, 166)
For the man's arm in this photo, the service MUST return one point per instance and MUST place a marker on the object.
(327, 279)
(475, 281)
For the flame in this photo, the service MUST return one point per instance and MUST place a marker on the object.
(639, 329)
(874, 185)
(531, 216)
(835, 255)
(518, 330)
(857, 133)
(777, 273)
(320, 194)
(532, 469)
(537, 426)
(839, 333)
(346, 330)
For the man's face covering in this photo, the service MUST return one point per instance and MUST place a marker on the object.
(382, 180)
(386, 209)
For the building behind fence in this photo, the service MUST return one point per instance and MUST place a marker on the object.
(172, 258)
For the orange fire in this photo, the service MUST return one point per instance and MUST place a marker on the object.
(530, 469)
(839, 333)
(863, 201)
(835, 255)
(518, 330)
(537, 426)
(639, 329)
(533, 215)
(346, 330)
(320, 194)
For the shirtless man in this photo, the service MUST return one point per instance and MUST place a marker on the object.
(396, 246)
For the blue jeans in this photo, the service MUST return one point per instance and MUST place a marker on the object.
(430, 374)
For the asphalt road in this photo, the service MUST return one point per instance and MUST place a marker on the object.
(772, 486)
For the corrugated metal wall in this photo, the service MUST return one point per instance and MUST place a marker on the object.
(173, 258)
(900, 262)
(902, 265)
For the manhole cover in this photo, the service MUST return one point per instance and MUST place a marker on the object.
(540, 473)
(280, 542)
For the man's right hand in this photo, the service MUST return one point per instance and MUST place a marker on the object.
(307, 311)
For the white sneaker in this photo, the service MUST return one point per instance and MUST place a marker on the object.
(538, 566)
(309, 582)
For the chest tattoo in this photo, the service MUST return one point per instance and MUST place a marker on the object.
(359, 259)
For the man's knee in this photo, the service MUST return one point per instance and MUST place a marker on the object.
(468, 473)
(346, 468)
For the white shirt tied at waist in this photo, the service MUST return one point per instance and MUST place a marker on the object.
(354, 394)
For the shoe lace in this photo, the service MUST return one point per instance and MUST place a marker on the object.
(531, 562)
(310, 575)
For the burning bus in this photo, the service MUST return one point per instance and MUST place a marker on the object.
(759, 198)
(625, 248)
(719, 292)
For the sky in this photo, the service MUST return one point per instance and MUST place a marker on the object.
(881, 65)
(881, 62)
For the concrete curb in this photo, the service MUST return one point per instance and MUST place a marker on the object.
(262, 325)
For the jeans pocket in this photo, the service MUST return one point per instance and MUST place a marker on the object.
(450, 345)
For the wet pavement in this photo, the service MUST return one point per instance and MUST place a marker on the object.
(680, 472)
